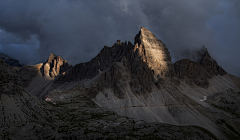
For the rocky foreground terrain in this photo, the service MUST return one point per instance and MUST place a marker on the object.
(128, 91)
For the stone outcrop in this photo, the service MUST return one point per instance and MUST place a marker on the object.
(10, 61)
(54, 66)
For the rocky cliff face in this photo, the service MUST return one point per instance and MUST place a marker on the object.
(54, 66)
(192, 73)
(200, 72)
(10, 61)
(105, 59)
(154, 52)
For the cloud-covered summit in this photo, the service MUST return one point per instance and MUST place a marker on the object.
(77, 30)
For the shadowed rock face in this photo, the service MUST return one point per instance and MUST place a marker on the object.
(198, 72)
(54, 66)
(105, 59)
(28, 72)
(10, 61)
(192, 72)
(211, 66)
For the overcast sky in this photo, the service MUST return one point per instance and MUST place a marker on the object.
(78, 29)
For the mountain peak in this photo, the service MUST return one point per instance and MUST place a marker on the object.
(149, 41)
(54, 66)
(52, 55)
(154, 52)
(211, 65)
(144, 29)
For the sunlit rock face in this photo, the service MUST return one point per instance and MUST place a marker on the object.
(154, 52)
(37, 78)
(54, 66)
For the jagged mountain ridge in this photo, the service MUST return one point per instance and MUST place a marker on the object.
(148, 60)
(101, 62)
(141, 82)
(147, 48)
(143, 52)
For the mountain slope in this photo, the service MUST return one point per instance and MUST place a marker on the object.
(23, 116)
(20, 112)
(145, 85)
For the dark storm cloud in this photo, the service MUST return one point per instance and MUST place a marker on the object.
(24, 50)
(75, 30)
(78, 30)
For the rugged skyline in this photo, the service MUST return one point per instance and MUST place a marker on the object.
(124, 87)
(78, 30)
